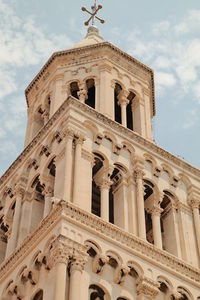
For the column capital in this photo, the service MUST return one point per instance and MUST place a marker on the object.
(155, 210)
(69, 134)
(60, 252)
(194, 202)
(78, 262)
(79, 139)
(102, 178)
(48, 191)
(122, 98)
(147, 287)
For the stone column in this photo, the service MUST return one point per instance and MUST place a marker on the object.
(195, 203)
(57, 93)
(82, 93)
(58, 259)
(157, 236)
(25, 218)
(147, 289)
(102, 180)
(132, 206)
(138, 110)
(12, 243)
(63, 179)
(105, 188)
(48, 194)
(140, 203)
(77, 162)
(106, 104)
(76, 269)
(123, 102)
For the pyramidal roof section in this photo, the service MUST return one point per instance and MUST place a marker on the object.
(91, 38)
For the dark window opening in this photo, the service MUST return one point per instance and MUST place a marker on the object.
(111, 206)
(129, 112)
(52, 168)
(96, 194)
(118, 89)
(90, 101)
(74, 89)
(149, 231)
(39, 296)
(96, 292)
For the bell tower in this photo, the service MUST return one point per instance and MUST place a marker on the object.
(96, 73)
(93, 209)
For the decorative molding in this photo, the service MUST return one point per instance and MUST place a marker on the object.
(128, 135)
(147, 287)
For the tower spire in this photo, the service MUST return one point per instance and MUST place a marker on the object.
(93, 14)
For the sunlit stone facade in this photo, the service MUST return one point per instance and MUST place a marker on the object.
(93, 208)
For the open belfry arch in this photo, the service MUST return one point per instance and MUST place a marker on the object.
(93, 208)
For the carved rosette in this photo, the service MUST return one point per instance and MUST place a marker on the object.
(147, 287)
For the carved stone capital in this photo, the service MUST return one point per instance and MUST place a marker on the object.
(60, 252)
(78, 262)
(122, 98)
(155, 210)
(147, 287)
(194, 203)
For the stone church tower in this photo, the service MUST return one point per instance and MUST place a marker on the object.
(93, 209)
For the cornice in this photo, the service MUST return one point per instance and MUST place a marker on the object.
(132, 137)
(67, 211)
(91, 47)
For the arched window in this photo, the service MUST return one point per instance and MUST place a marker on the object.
(39, 295)
(117, 90)
(74, 89)
(168, 223)
(90, 101)
(96, 195)
(129, 111)
(38, 121)
(148, 191)
(3, 239)
(37, 203)
(96, 293)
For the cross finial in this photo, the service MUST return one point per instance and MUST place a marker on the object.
(93, 14)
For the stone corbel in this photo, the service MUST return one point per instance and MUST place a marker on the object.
(98, 138)
(116, 149)
(31, 275)
(98, 263)
(120, 273)
(174, 181)
(58, 136)
(45, 150)
(156, 171)
(147, 287)
(175, 295)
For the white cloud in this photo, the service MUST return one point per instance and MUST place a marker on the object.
(172, 48)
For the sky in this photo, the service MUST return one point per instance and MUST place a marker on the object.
(165, 35)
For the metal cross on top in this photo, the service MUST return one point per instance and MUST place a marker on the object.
(93, 14)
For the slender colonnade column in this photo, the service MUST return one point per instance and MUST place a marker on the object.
(48, 194)
(77, 162)
(155, 214)
(195, 210)
(140, 202)
(59, 257)
(123, 102)
(16, 221)
(105, 188)
(68, 166)
(76, 270)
